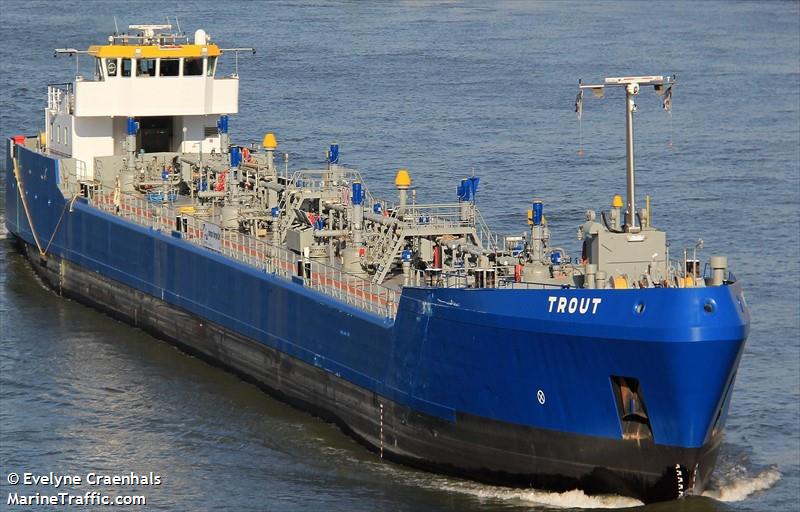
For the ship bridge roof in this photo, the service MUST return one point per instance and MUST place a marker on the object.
(154, 51)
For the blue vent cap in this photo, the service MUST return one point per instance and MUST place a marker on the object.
(358, 193)
(333, 154)
(222, 124)
(538, 209)
(468, 188)
(236, 156)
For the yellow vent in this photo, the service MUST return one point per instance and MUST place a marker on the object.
(270, 142)
(403, 179)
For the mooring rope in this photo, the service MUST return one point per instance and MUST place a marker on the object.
(21, 190)
(67, 205)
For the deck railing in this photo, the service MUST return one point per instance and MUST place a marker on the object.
(497, 277)
(436, 215)
(348, 288)
(60, 98)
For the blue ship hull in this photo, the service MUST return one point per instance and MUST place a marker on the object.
(507, 386)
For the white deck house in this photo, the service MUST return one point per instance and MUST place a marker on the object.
(170, 89)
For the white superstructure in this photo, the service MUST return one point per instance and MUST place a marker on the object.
(151, 82)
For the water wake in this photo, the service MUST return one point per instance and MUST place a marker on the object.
(737, 484)
(573, 499)
(569, 499)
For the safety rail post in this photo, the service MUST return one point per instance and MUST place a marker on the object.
(351, 299)
(237, 247)
(337, 278)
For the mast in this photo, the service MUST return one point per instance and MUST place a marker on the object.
(632, 85)
(631, 90)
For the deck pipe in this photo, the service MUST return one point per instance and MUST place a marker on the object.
(130, 142)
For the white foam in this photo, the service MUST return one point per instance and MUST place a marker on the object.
(489, 493)
(739, 486)
(569, 499)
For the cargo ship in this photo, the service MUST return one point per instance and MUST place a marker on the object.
(418, 331)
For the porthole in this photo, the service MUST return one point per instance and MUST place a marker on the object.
(638, 308)
(710, 306)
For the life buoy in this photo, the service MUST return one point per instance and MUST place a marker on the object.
(246, 154)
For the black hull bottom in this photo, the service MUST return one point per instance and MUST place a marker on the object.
(473, 447)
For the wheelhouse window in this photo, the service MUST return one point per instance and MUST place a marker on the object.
(126, 67)
(193, 67)
(169, 67)
(212, 63)
(98, 70)
(111, 67)
(146, 67)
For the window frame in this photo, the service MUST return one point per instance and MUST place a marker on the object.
(131, 67)
(108, 62)
(140, 70)
(161, 62)
(193, 60)
(210, 65)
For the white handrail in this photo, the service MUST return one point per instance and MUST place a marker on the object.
(252, 251)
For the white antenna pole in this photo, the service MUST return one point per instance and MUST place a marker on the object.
(116, 28)
(177, 24)
(631, 90)
(632, 85)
